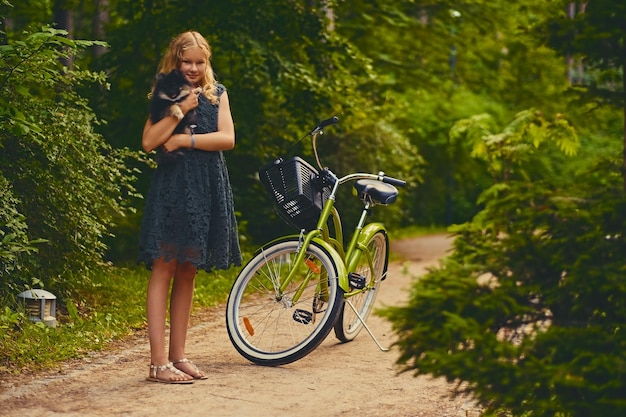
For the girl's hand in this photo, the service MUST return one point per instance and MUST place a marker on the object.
(189, 103)
(177, 141)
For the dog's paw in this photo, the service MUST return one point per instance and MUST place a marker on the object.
(176, 111)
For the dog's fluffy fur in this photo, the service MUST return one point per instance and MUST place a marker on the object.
(169, 90)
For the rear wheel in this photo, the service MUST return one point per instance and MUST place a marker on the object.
(372, 267)
(272, 327)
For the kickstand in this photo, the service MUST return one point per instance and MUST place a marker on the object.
(366, 328)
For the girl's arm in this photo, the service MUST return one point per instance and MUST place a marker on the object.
(221, 140)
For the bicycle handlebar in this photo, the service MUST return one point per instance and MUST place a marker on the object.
(393, 181)
(323, 124)
(328, 122)
(365, 176)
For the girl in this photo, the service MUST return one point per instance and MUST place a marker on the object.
(189, 220)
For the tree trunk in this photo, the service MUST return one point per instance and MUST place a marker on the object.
(100, 20)
(624, 105)
(3, 31)
(64, 19)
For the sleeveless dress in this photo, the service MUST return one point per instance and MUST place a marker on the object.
(189, 213)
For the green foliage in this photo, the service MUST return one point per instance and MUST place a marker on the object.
(508, 153)
(596, 39)
(24, 13)
(527, 313)
(64, 183)
(15, 246)
(452, 180)
(449, 60)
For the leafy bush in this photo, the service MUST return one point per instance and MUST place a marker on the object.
(527, 313)
(63, 182)
(15, 247)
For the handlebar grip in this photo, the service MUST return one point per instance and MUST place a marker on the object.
(393, 181)
(328, 122)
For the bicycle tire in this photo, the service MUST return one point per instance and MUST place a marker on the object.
(268, 329)
(348, 324)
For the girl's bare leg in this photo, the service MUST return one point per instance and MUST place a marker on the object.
(180, 309)
(156, 311)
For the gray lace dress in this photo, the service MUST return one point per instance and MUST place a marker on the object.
(189, 214)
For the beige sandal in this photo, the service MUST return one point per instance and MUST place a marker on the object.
(155, 369)
(198, 374)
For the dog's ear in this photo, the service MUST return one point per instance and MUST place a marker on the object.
(160, 76)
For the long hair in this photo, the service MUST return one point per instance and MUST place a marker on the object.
(173, 56)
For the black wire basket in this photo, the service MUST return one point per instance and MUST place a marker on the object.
(292, 185)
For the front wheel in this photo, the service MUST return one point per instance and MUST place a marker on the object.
(273, 326)
(372, 267)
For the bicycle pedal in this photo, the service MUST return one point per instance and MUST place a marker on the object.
(357, 281)
(302, 316)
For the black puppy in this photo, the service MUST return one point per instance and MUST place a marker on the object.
(169, 90)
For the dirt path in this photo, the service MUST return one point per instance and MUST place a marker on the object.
(353, 379)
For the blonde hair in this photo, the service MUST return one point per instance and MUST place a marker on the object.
(173, 56)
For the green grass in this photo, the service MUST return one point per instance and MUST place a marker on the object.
(110, 308)
(212, 289)
(415, 231)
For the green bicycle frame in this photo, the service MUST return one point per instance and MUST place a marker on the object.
(344, 261)
(358, 243)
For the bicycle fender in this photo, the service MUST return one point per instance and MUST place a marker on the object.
(342, 275)
(369, 231)
(277, 240)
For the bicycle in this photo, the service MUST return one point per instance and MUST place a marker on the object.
(295, 289)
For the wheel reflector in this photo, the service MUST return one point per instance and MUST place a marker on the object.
(249, 328)
(312, 266)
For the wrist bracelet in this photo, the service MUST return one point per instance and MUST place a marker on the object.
(193, 141)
